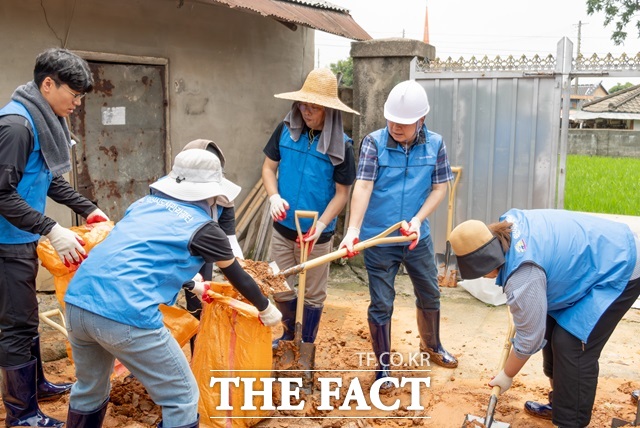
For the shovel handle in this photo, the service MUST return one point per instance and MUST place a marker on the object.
(382, 238)
(302, 279)
(506, 349)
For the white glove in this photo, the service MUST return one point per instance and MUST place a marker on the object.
(67, 244)
(271, 316)
(97, 216)
(235, 246)
(312, 236)
(279, 207)
(502, 380)
(351, 238)
(199, 287)
(414, 227)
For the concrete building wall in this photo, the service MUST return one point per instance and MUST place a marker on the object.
(224, 65)
(604, 142)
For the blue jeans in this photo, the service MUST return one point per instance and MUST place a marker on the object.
(153, 357)
(382, 265)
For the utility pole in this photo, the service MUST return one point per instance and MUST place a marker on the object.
(578, 52)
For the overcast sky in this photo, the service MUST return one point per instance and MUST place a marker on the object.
(465, 28)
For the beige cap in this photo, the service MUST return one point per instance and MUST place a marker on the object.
(477, 250)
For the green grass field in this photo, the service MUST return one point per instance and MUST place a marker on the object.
(603, 185)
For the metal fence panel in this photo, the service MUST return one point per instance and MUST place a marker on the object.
(503, 130)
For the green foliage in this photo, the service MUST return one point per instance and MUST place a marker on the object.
(603, 185)
(619, 11)
(620, 86)
(344, 66)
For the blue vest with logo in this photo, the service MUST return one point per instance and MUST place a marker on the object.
(305, 178)
(587, 260)
(402, 185)
(33, 185)
(142, 263)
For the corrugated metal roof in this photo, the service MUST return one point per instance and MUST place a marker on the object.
(624, 101)
(320, 4)
(316, 14)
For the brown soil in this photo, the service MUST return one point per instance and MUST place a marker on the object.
(264, 277)
(472, 331)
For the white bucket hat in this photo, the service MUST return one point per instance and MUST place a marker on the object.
(196, 175)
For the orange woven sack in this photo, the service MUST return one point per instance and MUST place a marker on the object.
(91, 234)
(232, 343)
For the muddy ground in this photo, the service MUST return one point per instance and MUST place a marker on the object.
(471, 330)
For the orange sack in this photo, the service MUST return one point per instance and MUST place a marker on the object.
(232, 343)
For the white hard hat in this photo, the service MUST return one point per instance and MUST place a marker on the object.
(407, 102)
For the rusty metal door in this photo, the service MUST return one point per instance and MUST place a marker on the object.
(122, 130)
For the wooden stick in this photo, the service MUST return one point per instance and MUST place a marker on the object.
(251, 211)
(249, 197)
(376, 240)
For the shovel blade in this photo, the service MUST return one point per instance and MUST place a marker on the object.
(292, 355)
(615, 423)
(472, 421)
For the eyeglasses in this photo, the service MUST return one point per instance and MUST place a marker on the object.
(75, 96)
(311, 108)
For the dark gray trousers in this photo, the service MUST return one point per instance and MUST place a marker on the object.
(18, 309)
(573, 365)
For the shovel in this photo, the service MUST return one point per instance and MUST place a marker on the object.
(487, 421)
(448, 259)
(615, 422)
(296, 354)
(382, 238)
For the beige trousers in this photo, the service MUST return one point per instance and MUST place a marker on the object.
(286, 254)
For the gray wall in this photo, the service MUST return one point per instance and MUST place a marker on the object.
(225, 62)
(604, 142)
(228, 62)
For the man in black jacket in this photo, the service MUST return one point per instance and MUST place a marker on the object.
(34, 153)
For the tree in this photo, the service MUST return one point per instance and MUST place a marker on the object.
(345, 68)
(620, 87)
(619, 11)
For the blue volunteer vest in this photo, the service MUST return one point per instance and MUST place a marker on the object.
(33, 185)
(142, 263)
(305, 178)
(587, 260)
(402, 185)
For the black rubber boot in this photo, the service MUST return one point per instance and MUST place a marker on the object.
(19, 397)
(539, 410)
(310, 323)
(429, 329)
(46, 390)
(288, 310)
(196, 424)
(634, 396)
(93, 419)
(381, 343)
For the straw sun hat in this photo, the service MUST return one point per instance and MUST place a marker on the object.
(196, 175)
(321, 88)
(477, 250)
